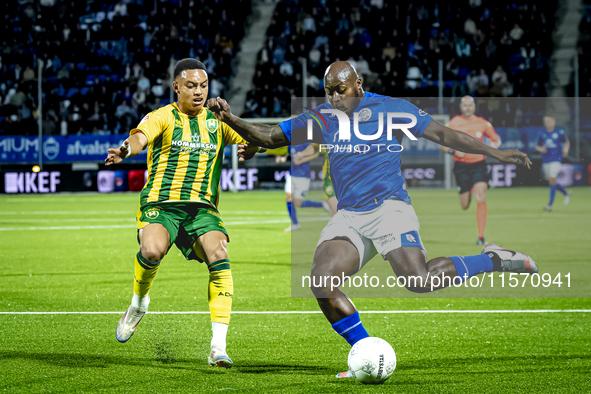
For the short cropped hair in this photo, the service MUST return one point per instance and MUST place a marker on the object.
(187, 64)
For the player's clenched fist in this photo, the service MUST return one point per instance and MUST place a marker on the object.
(220, 108)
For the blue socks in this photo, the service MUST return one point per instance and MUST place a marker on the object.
(351, 329)
(292, 213)
(311, 204)
(561, 189)
(472, 265)
(553, 189)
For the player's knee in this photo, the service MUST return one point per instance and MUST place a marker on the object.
(152, 252)
(465, 206)
(415, 280)
(481, 197)
(217, 255)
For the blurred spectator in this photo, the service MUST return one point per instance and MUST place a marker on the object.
(470, 26)
(483, 82)
(516, 33)
(313, 84)
(97, 54)
(286, 69)
(472, 81)
(210, 63)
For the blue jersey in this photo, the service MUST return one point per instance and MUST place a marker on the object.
(302, 170)
(364, 172)
(553, 142)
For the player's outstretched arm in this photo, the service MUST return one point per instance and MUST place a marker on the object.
(247, 152)
(308, 154)
(132, 146)
(451, 138)
(258, 134)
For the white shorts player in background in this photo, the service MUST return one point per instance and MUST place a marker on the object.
(297, 184)
(553, 145)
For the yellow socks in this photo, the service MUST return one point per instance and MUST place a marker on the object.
(220, 291)
(145, 271)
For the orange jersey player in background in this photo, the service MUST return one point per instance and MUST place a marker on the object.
(470, 169)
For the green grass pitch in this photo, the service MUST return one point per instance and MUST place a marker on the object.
(74, 253)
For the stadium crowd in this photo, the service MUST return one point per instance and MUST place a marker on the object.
(105, 64)
(488, 48)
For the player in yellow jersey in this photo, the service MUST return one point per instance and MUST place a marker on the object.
(178, 204)
(309, 154)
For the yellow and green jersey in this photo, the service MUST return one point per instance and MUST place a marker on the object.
(184, 155)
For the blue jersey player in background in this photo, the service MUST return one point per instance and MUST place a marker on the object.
(375, 213)
(297, 184)
(553, 145)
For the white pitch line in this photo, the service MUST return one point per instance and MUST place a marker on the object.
(67, 213)
(314, 312)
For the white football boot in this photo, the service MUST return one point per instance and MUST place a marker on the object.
(511, 261)
(219, 358)
(130, 319)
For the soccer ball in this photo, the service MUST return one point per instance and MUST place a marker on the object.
(372, 360)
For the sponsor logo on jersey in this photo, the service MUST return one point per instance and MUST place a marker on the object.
(422, 113)
(211, 125)
(410, 238)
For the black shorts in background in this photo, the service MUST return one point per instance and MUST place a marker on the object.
(468, 174)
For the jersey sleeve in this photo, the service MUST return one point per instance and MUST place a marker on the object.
(540, 139)
(299, 125)
(562, 136)
(403, 106)
(490, 132)
(153, 124)
(231, 137)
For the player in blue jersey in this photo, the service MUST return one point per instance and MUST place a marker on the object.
(553, 144)
(375, 213)
(296, 188)
(309, 154)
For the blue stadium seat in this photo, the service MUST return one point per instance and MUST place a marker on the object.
(71, 92)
